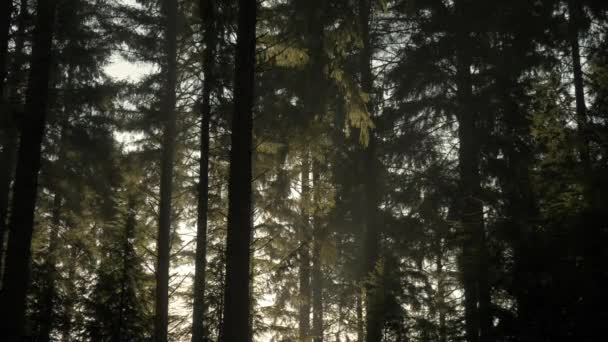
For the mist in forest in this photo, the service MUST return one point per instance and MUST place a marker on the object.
(303, 170)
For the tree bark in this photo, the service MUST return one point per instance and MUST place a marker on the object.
(16, 276)
(304, 237)
(317, 273)
(443, 335)
(474, 268)
(359, 309)
(161, 320)
(8, 130)
(207, 16)
(236, 298)
(374, 309)
(127, 266)
(5, 24)
(593, 217)
(575, 12)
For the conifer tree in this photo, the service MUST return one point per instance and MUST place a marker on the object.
(161, 322)
(15, 277)
(237, 310)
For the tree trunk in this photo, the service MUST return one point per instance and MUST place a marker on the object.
(236, 298)
(575, 11)
(373, 293)
(521, 208)
(441, 296)
(474, 268)
(26, 181)
(5, 24)
(6, 153)
(161, 320)
(8, 127)
(594, 217)
(304, 269)
(48, 292)
(317, 273)
(359, 309)
(127, 260)
(207, 16)
(71, 295)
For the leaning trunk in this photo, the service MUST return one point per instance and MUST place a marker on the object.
(161, 320)
(238, 240)
(16, 276)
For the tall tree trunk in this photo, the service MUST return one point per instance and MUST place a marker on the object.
(317, 272)
(575, 13)
(8, 129)
(520, 205)
(373, 293)
(71, 295)
(359, 309)
(474, 268)
(207, 16)
(50, 275)
(594, 217)
(236, 298)
(127, 260)
(26, 181)
(5, 24)
(161, 320)
(304, 237)
(441, 291)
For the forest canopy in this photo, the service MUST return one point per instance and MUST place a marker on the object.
(303, 170)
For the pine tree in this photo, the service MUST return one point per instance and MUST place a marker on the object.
(166, 178)
(15, 277)
(209, 22)
(237, 300)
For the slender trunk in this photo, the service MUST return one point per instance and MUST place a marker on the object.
(50, 276)
(236, 299)
(474, 258)
(6, 149)
(443, 336)
(5, 24)
(520, 205)
(359, 309)
(26, 181)
(71, 295)
(314, 98)
(317, 273)
(161, 320)
(304, 269)
(594, 217)
(575, 10)
(125, 277)
(374, 309)
(7, 159)
(9, 127)
(207, 15)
